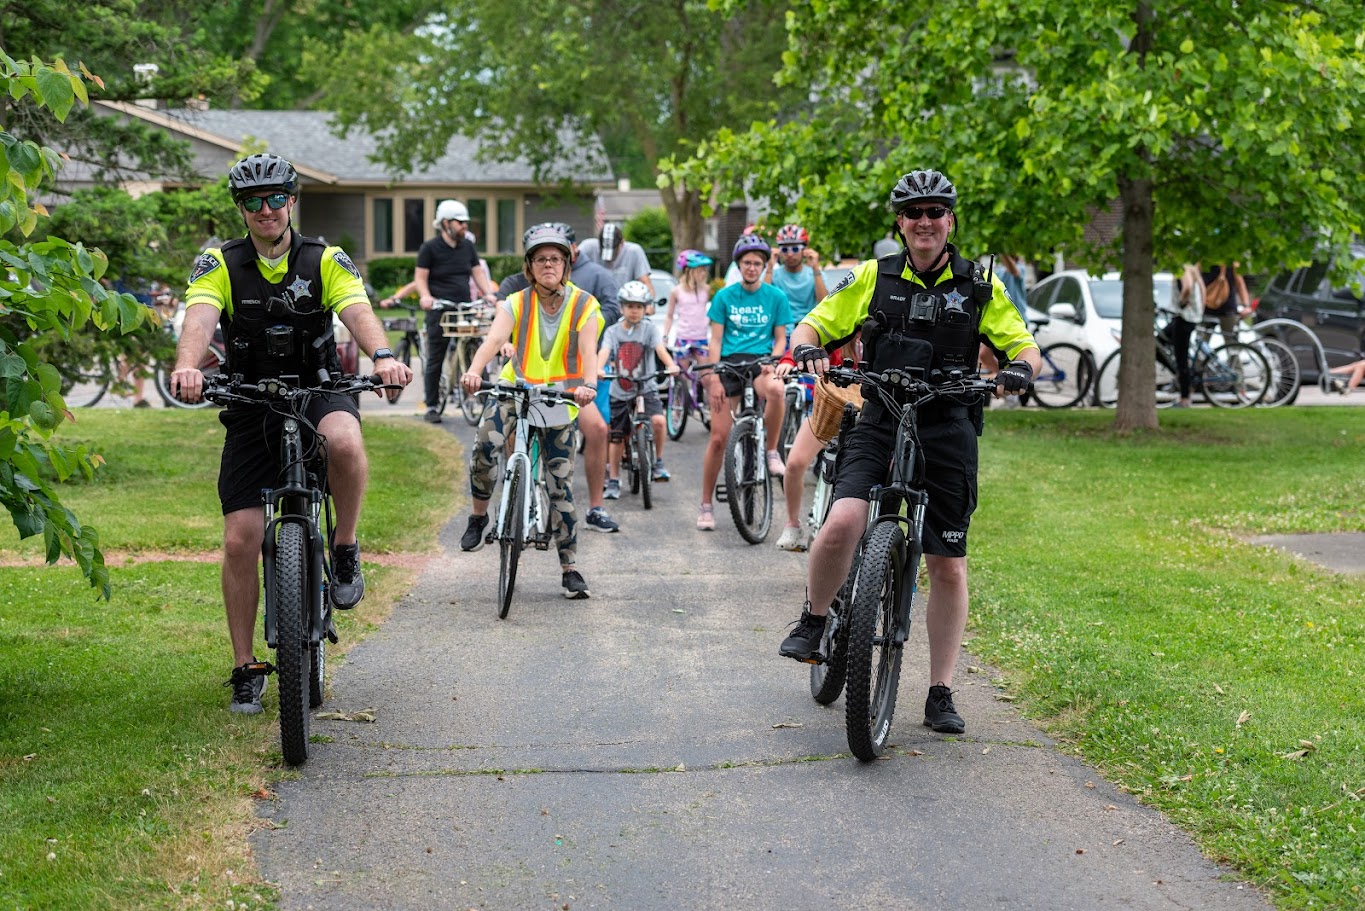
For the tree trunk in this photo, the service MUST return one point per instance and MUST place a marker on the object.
(1137, 365)
(684, 216)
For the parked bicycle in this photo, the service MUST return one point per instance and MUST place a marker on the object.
(465, 324)
(1233, 375)
(297, 572)
(748, 485)
(686, 395)
(524, 504)
(865, 634)
(638, 458)
(1064, 377)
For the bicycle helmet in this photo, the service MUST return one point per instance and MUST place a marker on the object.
(751, 243)
(549, 233)
(635, 292)
(566, 229)
(450, 209)
(790, 235)
(262, 172)
(922, 187)
(609, 241)
(689, 259)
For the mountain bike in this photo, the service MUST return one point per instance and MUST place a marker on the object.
(686, 396)
(748, 486)
(296, 568)
(638, 457)
(524, 504)
(866, 637)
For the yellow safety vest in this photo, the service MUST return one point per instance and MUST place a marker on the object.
(564, 362)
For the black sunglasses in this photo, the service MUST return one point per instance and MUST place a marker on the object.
(934, 212)
(274, 201)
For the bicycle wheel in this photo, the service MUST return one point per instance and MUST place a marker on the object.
(85, 385)
(1236, 376)
(791, 422)
(212, 365)
(678, 405)
(317, 672)
(1107, 383)
(513, 538)
(827, 679)
(749, 487)
(291, 640)
(876, 635)
(644, 463)
(1064, 378)
(1285, 380)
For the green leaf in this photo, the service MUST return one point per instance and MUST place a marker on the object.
(25, 158)
(1187, 46)
(56, 92)
(49, 377)
(45, 417)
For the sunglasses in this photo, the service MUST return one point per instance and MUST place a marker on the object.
(934, 212)
(274, 201)
(795, 248)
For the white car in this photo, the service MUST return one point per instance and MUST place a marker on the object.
(1087, 311)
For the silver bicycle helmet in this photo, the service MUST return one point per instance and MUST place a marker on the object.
(922, 187)
(634, 292)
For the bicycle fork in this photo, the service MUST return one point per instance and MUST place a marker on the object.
(300, 504)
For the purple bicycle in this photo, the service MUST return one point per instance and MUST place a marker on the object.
(686, 397)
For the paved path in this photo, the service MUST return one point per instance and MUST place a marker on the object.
(648, 749)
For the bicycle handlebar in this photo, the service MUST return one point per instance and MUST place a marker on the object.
(510, 391)
(223, 390)
(739, 367)
(910, 388)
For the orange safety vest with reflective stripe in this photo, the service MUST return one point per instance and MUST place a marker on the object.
(564, 362)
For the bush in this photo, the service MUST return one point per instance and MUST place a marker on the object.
(389, 273)
(650, 229)
(502, 266)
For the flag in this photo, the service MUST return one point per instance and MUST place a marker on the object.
(599, 215)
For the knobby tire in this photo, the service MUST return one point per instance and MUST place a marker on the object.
(644, 463)
(292, 661)
(827, 679)
(875, 641)
(750, 497)
(513, 539)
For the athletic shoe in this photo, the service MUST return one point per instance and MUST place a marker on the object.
(940, 713)
(248, 684)
(142, 403)
(660, 472)
(348, 584)
(775, 466)
(613, 489)
(598, 520)
(472, 539)
(575, 589)
(804, 641)
(706, 519)
(793, 539)
(432, 416)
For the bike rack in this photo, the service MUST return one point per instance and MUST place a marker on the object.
(1324, 372)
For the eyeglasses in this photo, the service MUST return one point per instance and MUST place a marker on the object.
(548, 261)
(751, 263)
(274, 201)
(794, 248)
(934, 212)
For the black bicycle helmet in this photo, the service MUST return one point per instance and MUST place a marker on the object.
(922, 187)
(262, 172)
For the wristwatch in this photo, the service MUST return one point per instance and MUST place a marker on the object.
(380, 353)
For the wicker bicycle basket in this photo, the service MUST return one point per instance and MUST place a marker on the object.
(464, 320)
(828, 410)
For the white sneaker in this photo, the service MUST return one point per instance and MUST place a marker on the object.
(793, 539)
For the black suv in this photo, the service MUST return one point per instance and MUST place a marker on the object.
(1335, 312)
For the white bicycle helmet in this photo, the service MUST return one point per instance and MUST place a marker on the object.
(634, 292)
(450, 209)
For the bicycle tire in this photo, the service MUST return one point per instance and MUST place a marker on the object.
(644, 463)
(827, 679)
(1245, 380)
(874, 658)
(86, 386)
(1064, 378)
(291, 639)
(1106, 385)
(215, 358)
(791, 422)
(512, 541)
(750, 496)
(1285, 376)
(678, 407)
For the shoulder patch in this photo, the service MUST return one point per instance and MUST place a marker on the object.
(344, 261)
(844, 282)
(205, 264)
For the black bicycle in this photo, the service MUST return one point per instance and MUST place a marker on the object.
(637, 459)
(870, 620)
(748, 485)
(412, 342)
(296, 568)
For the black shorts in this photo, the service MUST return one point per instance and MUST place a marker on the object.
(732, 384)
(950, 474)
(621, 410)
(251, 457)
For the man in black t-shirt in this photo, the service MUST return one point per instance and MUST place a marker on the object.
(445, 265)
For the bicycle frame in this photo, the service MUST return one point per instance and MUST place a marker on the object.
(298, 501)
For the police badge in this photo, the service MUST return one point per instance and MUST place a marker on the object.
(344, 261)
(205, 264)
(300, 288)
(954, 300)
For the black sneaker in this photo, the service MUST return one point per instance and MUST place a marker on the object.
(348, 584)
(940, 713)
(432, 416)
(804, 641)
(472, 539)
(575, 589)
(248, 684)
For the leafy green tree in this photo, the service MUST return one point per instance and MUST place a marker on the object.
(53, 285)
(650, 229)
(1226, 131)
(526, 77)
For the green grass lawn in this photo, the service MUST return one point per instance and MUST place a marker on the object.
(124, 781)
(1218, 680)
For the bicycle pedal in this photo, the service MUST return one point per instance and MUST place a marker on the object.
(489, 538)
(259, 668)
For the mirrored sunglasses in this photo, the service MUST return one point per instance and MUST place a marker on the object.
(934, 212)
(792, 248)
(274, 201)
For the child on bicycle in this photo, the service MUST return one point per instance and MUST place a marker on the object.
(633, 343)
(686, 323)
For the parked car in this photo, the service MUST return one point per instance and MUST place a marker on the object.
(663, 282)
(1334, 311)
(1087, 311)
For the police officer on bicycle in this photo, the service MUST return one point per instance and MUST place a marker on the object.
(275, 293)
(923, 307)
